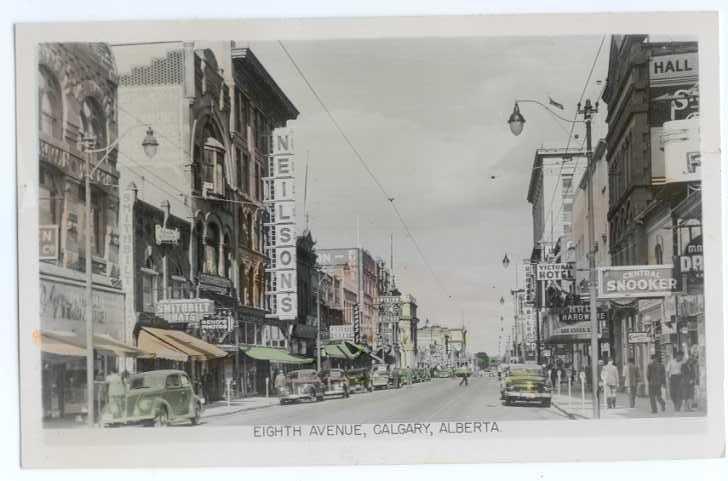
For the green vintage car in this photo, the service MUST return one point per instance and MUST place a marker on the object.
(359, 380)
(405, 376)
(156, 398)
(445, 372)
(383, 378)
(463, 371)
(526, 383)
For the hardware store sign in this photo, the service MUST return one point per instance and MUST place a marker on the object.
(637, 281)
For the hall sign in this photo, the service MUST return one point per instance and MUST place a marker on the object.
(554, 272)
(671, 69)
(636, 281)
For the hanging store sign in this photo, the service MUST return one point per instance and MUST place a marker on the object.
(691, 262)
(356, 322)
(579, 313)
(530, 281)
(636, 281)
(185, 310)
(223, 323)
(164, 235)
(281, 226)
(48, 243)
(638, 337)
(343, 333)
(673, 69)
(554, 272)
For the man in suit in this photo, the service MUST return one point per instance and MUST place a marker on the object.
(631, 379)
(656, 380)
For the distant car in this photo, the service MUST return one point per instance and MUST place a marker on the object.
(382, 377)
(526, 383)
(416, 376)
(426, 374)
(335, 382)
(445, 372)
(302, 385)
(463, 371)
(359, 380)
(405, 376)
(155, 398)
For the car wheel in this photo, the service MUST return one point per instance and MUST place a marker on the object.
(196, 417)
(319, 398)
(162, 418)
(547, 403)
(507, 401)
(346, 393)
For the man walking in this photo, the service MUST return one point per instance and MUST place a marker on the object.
(611, 381)
(674, 370)
(631, 379)
(655, 381)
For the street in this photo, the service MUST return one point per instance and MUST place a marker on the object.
(437, 400)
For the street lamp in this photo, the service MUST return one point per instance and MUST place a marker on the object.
(506, 261)
(516, 122)
(150, 145)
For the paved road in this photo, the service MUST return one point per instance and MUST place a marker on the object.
(437, 400)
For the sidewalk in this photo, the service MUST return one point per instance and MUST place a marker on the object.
(221, 408)
(575, 408)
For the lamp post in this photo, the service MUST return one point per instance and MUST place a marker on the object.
(516, 122)
(150, 145)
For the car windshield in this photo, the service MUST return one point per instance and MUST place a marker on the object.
(300, 375)
(526, 371)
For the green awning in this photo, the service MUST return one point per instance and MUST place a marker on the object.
(273, 354)
(343, 350)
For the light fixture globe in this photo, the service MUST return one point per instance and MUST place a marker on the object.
(516, 121)
(506, 261)
(150, 144)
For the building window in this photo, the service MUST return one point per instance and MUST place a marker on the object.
(566, 184)
(227, 257)
(239, 169)
(200, 245)
(50, 197)
(658, 254)
(212, 246)
(246, 174)
(209, 165)
(178, 287)
(50, 105)
(149, 289)
(238, 111)
(93, 123)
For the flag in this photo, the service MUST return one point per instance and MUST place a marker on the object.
(556, 104)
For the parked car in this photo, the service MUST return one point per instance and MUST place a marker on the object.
(335, 382)
(359, 380)
(155, 398)
(526, 383)
(463, 371)
(445, 372)
(426, 375)
(383, 378)
(405, 376)
(302, 385)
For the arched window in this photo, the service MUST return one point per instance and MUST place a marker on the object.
(658, 253)
(212, 246)
(93, 123)
(200, 247)
(251, 284)
(249, 230)
(210, 161)
(50, 105)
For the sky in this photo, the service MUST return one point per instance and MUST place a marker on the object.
(428, 115)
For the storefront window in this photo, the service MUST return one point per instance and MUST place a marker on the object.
(149, 289)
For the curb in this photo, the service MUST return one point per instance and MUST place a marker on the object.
(236, 411)
(570, 415)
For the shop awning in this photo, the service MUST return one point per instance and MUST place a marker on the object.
(343, 350)
(72, 344)
(176, 345)
(273, 354)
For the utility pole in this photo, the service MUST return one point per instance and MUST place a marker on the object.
(89, 299)
(587, 113)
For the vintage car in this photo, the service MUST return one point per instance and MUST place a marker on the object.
(302, 385)
(526, 383)
(335, 382)
(383, 378)
(359, 380)
(405, 376)
(155, 398)
(463, 371)
(444, 372)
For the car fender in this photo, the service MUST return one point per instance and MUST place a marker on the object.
(161, 403)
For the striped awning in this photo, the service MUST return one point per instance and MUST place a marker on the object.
(72, 344)
(176, 345)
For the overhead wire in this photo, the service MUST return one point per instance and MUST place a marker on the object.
(366, 167)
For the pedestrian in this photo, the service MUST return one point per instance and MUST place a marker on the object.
(116, 394)
(631, 379)
(611, 381)
(465, 374)
(674, 371)
(554, 376)
(656, 381)
(690, 379)
(280, 381)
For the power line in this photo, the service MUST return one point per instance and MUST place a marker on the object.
(364, 164)
(571, 132)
